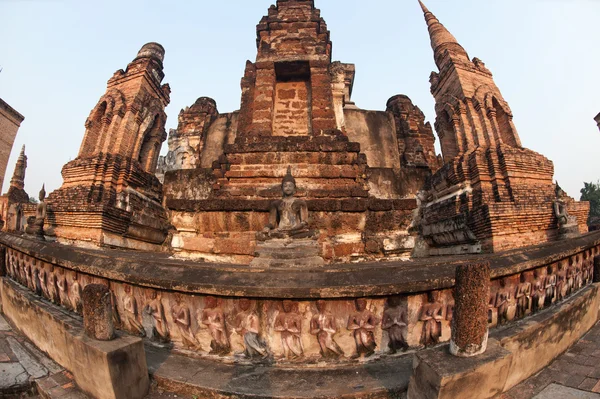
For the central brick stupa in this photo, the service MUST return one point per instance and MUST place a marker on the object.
(296, 112)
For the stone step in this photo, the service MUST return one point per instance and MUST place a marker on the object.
(191, 377)
(303, 263)
(285, 255)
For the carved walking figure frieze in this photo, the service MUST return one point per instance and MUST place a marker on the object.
(247, 325)
(289, 324)
(505, 301)
(432, 314)
(562, 286)
(362, 323)
(62, 286)
(52, 286)
(395, 322)
(578, 276)
(155, 308)
(523, 296)
(130, 312)
(28, 276)
(76, 294)
(550, 286)
(36, 281)
(214, 319)
(180, 313)
(539, 290)
(324, 327)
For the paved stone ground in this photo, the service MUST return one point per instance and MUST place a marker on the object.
(574, 374)
(26, 372)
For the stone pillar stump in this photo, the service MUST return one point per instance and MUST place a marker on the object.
(470, 321)
(97, 312)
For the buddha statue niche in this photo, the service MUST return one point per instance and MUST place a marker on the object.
(288, 216)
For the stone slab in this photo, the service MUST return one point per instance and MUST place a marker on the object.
(438, 374)
(33, 367)
(4, 326)
(13, 378)
(556, 391)
(119, 366)
(187, 377)
(159, 270)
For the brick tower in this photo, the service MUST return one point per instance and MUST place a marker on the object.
(110, 195)
(491, 193)
(287, 114)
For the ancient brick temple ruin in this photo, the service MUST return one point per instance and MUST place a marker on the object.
(302, 234)
(110, 195)
(360, 171)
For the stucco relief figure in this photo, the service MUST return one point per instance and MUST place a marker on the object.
(550, 286)
(28, 278)
(323, 325)
(539, 291)
(44, 283)
(116, 314)
(570, 276)
(523, 296)
(395, 322)
(131, 313)
(578, 277)
(36, 281)
(75, 294)
(288, 217)
(247, 325)
(61, 284)
(53, 293)
(588, 272)
(183, 320)
(363, 322)
(562, 286)
(160, 331)
(432, 314)
(289, 324)
(214, 319)
(505, 302)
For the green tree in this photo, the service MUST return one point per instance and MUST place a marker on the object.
(591, 192)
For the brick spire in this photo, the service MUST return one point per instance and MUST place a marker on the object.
(18, 178)
(441, 38)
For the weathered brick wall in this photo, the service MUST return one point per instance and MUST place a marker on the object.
(10, 120)
(291, 116)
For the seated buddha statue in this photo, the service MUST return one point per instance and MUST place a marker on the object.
(288, 216)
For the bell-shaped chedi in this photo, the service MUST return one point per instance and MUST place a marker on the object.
(491, 194)
(15, 205)
(110, 195)
(16, 191)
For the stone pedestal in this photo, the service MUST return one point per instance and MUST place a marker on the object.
(470, 324)
(288, 253)
(113, 369)
(569, 230)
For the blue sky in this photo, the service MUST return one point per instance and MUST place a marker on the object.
(57, 56)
